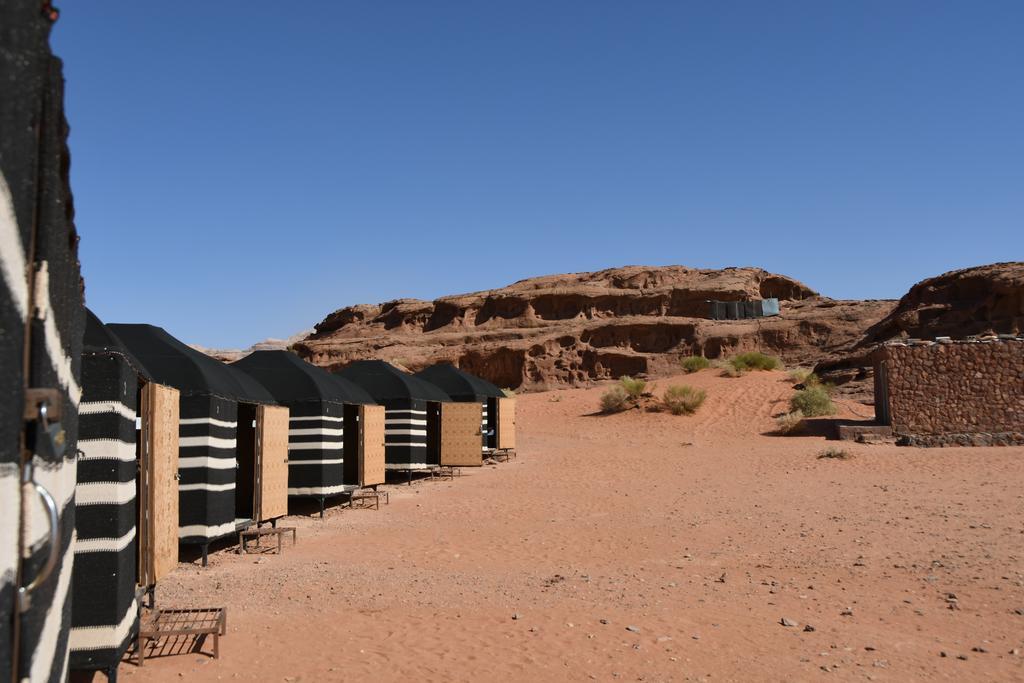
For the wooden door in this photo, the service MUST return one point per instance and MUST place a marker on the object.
(271, 462)
(158, 483)
(460, 434)
(371, 445)
(506, 423)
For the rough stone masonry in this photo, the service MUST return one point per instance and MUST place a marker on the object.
(952, 393)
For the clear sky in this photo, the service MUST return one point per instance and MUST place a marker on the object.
(241, 169)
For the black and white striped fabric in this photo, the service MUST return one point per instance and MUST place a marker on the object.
(316, 449)
(405, 435)
(40, 291)
(483, 427)
(104, 614)
(207, 465)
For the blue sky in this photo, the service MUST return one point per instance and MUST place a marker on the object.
(241, 169)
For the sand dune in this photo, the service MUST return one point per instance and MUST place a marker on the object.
(699, 534)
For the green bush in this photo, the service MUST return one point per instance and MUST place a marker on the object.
(634, 388)
(813, 401)
(833, 453)
(790, 423)
(801, 376)
(729, 370)
(695, 363)
(509, 393)
(755, 360)
(615, 400)
(683, 400)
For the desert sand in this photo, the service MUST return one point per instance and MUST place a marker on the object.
(646, 547)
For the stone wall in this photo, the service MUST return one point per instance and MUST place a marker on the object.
(953, 393)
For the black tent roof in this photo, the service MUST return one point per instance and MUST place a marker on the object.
(459, 384)
(289, 378)
(174, 363)
(385, 382)
(99, 339)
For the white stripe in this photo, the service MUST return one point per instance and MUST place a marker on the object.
(322, 490)
(407, 466)
(98, 407)
(404, 411)
(316, 446)
(104, 637)
(405, 421)
(46, 646)
(59, 480)
(335, 461)
(104, 545)
(207, 421)
(107, 449)
(206, 487)
(325, 418)
(59, 360)
(105, 493)
(206, 531)
(405, 432)
(316, 432)
(208, 441)
(206, 462)
(9, 482)
(12, 252)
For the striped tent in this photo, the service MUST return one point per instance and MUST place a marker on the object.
(104, 614)
(412, 439)
(322, 424)
(42, 315)
(215, 410)
(464, 387)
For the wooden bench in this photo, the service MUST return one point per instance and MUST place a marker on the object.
(371, 494)
(259, 532)
(172, 623)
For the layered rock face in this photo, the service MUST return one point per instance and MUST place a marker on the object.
(973, 301)
(567, 329)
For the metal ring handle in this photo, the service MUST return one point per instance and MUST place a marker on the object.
(25, 592)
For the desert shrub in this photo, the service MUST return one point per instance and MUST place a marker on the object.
(755, 360)
(634, 388)
(509, 393)
(615, 400)
(729, 370)
(790, 423)
(695, 363)
(813, 401)
(833, 453)
(801, 376)
(683, 400)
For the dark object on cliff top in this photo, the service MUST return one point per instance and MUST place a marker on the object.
(385, 382)
(172, 362)
(459, 384)
(291, 379)
(738, 310)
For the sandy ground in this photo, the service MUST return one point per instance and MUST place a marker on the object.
(643, 547)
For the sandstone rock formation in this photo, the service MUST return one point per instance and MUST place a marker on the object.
(565, 329)
(971, 301)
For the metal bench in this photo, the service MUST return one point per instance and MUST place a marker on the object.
(172, 623)
(259, 532)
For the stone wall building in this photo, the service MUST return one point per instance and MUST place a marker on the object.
(952, 393)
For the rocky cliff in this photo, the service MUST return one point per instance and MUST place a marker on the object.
(972, 301)
(566, 329)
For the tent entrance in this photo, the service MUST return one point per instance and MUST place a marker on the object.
(157, 449)
(433, 433)
(245, 457)
(506, 437)
(371, 445)
(460, 435)
(271, 484)
(491, 434)
(353, 454)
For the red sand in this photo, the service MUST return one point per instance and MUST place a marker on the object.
(701, 533)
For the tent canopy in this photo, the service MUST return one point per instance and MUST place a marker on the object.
(385, 382)
(169, 361)
(290, 379)
(459, 384)
(100, 339)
